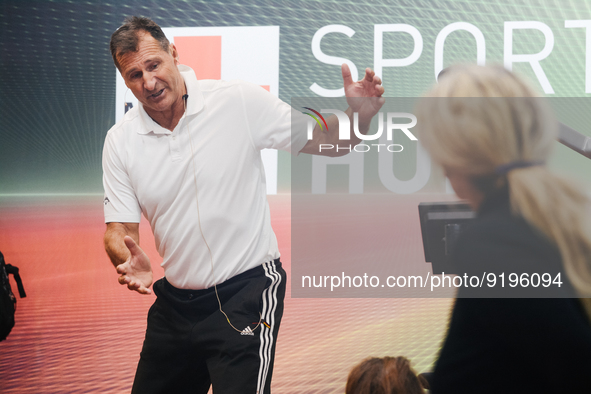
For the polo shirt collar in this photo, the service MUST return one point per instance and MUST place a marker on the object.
(195, 103)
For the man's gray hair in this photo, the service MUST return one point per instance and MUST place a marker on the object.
(125, 39)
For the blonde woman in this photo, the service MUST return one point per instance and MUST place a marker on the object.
(493, 137)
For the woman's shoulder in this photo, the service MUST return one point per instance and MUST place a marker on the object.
(511, 257)
(501, 234)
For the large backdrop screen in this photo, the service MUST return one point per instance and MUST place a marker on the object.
(58, 81)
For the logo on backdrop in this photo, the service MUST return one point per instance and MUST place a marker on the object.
(316, 119)
(392, 124)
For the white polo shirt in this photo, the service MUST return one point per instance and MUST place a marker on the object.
(148, 169)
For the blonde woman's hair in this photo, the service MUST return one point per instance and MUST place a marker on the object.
(504, 122)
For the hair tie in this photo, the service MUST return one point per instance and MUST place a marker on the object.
(505, 168)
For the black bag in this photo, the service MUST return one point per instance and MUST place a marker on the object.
(7, 298)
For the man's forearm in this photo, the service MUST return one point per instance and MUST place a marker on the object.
(114, 244)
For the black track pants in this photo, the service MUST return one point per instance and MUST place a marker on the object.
(190, 345)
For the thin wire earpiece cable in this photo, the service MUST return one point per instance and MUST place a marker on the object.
(201, 229)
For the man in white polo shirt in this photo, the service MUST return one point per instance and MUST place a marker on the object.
(188, 159)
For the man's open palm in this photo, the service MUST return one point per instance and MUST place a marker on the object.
(365, 96)
(136, 272)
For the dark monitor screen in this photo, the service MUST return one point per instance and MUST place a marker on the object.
(441, 223)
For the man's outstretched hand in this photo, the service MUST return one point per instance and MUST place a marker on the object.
(365, 96)
(136, 272)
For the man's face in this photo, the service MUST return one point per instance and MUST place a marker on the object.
(151, 74)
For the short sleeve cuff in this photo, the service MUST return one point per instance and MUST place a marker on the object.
(121, 218)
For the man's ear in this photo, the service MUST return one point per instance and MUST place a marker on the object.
(175, 54)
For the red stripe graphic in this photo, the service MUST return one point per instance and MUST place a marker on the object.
(203, 54)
